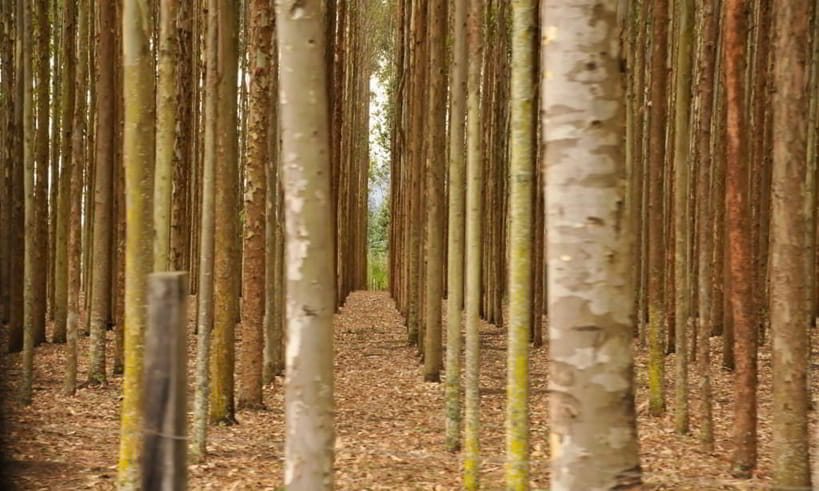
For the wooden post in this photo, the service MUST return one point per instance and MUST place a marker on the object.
(164, 465)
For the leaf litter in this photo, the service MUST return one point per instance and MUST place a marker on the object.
(389, 423)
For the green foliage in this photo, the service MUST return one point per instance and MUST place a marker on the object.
(378, 226)
(377, 271)
(379, 28)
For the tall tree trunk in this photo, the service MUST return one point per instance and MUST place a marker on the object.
(435, 165)
(634, 126)
(472, 281)
(7, 135)
(657, 315)
(17, 194)
(205, 289)
(722, 325)
(455, 245)
(416, 162)
(138, 156)
(273, 282)
(166, 123)
(24, 43)
(258, 159)
(760, 156)
(704, 93)
(225, 267)
(791, 252)
(119, 199)
(521, 173)
(103, 185)
(63, 205)
(590, 292)
(682, 209)
(737, 218)
(41, 150)
(54, 145)
(644, 41)
(78, 160)
(306, 166)
(89, 167)
(183, 155)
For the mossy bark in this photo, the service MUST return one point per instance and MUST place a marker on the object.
(138, 157)
(521, 174)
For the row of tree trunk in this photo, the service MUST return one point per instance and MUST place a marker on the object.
(720, 149)
(131, 147)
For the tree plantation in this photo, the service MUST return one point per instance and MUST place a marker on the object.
(409, 244)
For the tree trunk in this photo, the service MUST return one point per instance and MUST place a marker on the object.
(24, 43)
(310, 296)
(101, 270)
(253, 266)
(7, 135)
(706, 53)
(589, 251)
(455, 246)
(682, 209)
(204, 317)
(521, 173)
(273, 282)
(737, 217)
(138, 155)
(78, 160)
(472, 281)
(436, 128)
(791, 252)
(41, 254)
(416, 163)
(119, 200)
(166, 123)
(17, 195)
(657, 315)
(225, 268)
(89, 168)
(54, 158)
(183, 155)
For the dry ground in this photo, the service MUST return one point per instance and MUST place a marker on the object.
(390, 427)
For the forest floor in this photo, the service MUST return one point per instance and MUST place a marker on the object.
(389, 423)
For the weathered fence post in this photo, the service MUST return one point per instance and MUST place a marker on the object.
(164, 465)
